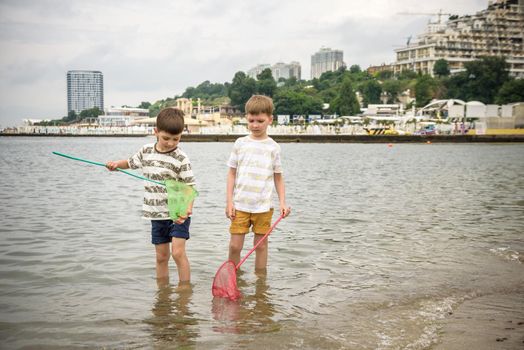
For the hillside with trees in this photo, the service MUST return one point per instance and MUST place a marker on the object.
(486, 80)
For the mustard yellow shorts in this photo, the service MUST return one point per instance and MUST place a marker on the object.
(261, 222)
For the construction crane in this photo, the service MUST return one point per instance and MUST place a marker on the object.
(439, 14)
(408, 41)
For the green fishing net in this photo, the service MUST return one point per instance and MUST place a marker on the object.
(179, 196)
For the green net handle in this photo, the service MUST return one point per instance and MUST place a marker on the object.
(101, 164)
(180, 195)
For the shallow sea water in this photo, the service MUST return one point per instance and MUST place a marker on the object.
(383, 244)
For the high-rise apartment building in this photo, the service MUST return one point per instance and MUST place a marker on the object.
(326, 60)
(286, 70)
(278, 70)
(253, 72)
(495, 31)
(85, 90)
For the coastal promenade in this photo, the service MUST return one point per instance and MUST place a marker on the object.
(304, 138)
(307, 138)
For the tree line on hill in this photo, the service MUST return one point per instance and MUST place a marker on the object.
(486, 80)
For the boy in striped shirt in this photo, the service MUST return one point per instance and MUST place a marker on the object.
(161, 161)
(254, 170)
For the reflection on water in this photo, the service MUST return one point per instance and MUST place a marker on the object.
(383, 244)
(173, 324)
(250, 314)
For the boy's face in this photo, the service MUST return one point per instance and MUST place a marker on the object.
(166, 141)
(258, 123)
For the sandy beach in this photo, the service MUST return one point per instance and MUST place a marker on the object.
(484, 323)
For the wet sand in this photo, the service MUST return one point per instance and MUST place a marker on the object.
(485, 323)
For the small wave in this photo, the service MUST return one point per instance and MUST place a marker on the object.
(507, 254)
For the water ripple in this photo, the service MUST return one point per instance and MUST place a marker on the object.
(381, 245)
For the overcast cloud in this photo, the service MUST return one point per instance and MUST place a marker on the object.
(151, 50)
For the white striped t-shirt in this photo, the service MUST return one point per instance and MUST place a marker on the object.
(160, 166)
(255, 162)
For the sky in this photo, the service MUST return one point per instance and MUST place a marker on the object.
(150, 50)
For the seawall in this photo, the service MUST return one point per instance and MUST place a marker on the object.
(304, 138)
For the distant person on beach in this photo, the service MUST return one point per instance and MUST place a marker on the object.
(161, 161)
(254, 169)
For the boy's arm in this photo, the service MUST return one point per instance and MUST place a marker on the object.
(281, 191)
(230, 208)
(122, 164)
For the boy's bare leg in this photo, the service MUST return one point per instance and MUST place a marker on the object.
(261, 253)
(162, 260)
(178, 250)
(236, 243)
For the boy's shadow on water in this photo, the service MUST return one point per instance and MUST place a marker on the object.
(250, 314)
(172, 322)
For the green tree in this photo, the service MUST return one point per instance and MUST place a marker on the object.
(91, 113)
(266, 84)
(144, 105)
(241, 89)
(407, 75)
(481, 81)
(292, 102)
(371, 91)
(456, 86)
(511, 91)
(393, 88)
(384, 75)
(486, 77)
(426, 89)
(355, 69)
(329, 95)
(156, 107)
(346, 102)
(71, 116)
(206, 91)
(441, 68)
(292, 81)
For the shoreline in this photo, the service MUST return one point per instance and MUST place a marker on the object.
(493, 321)
(304, 138)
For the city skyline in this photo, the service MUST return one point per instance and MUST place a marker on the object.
(147, 54)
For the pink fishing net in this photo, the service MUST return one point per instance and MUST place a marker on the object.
(225, 282)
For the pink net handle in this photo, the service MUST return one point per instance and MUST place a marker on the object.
(260, 241)
(225, 281)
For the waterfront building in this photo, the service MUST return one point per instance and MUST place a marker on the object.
(210, 115)
(123, 116)
(497, 30)
(326, 60)
(85, 90)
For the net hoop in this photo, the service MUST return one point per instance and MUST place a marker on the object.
(225, 282)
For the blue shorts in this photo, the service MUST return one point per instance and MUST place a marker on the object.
(162, 231)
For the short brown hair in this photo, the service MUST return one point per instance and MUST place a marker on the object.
(170, 120)
(259, 104)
